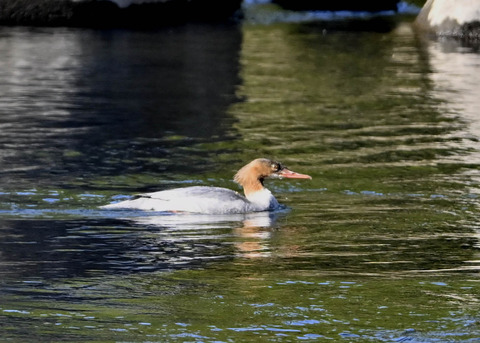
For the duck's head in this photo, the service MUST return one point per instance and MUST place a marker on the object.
(252, 175)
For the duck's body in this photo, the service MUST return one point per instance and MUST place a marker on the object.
(216, 200)
(199, 199)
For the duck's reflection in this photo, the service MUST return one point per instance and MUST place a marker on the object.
(253, 238)
(135, 242)
(252, 232)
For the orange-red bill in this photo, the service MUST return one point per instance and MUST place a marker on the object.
(287, 173)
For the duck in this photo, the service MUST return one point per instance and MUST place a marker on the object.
(217, 200)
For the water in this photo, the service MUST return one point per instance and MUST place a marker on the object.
(381, 246)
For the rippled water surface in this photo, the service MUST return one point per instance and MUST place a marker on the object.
(382, 245)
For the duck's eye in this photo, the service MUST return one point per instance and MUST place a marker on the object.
(276, 167)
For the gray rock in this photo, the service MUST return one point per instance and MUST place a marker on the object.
(449, 18)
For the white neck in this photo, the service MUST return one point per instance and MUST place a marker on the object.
(263, 198)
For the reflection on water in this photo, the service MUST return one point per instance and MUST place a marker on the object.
(60, 82)
(382, 245)
(133, 243)
(251, 232)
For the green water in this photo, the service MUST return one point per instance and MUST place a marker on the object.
(382, 245)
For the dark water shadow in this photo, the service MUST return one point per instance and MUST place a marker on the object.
(118, 242)
(81, 102)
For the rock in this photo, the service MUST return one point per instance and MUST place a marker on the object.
(34, 12)
(460, 18)
(119, 13)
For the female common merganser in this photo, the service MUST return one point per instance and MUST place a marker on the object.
(216, 200)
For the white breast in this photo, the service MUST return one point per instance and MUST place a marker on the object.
(263, 199)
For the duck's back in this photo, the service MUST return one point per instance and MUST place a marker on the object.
(197, 199)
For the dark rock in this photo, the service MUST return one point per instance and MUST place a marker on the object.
(35, 12)
(91, 13)
(338, 5)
